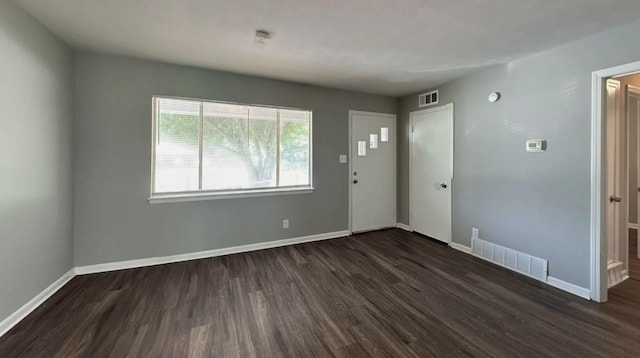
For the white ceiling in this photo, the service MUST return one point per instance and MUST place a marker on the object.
(377, 46)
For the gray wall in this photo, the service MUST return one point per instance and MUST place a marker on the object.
(535, 203)
(633, 154)
(36, 97)
(114, 221)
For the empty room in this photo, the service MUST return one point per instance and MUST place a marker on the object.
(280, 178)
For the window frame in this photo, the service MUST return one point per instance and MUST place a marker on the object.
(199, 195)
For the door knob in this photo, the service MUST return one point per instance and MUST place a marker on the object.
(616, 199)
(355, 181)
(443, 185)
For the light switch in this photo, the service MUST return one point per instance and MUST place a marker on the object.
(343, 158)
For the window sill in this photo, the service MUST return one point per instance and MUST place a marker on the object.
(177, 198)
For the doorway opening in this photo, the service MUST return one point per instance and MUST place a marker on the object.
(615, 178)
(631, 97)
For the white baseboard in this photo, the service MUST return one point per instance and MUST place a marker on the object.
(569, 287)
(616, 274)
(121, 265)
(404, 227)
(30, 306)
(518, 261)
(625, 275)
(632, 226)
(552, 281)
(460, 247)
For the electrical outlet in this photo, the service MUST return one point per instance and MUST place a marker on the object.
(474, 233)
(285, 223)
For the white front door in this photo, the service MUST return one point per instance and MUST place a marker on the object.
(372, 170)
(431, 172)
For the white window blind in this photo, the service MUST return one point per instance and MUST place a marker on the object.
(212, 147)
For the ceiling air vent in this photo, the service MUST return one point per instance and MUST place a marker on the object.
(429, 98)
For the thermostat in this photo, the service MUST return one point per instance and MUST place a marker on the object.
(536, 145)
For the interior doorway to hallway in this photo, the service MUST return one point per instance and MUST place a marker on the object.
(615, 178)
(630, 84)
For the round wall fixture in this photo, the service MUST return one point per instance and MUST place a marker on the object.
(494, 97)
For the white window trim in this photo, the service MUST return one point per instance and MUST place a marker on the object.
(162, 198)
(238, 194)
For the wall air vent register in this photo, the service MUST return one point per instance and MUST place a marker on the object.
(429, 98)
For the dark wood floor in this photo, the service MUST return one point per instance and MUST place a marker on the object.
(634, 262)
(382, 294)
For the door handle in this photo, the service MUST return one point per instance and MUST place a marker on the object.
(355, 181)
(616, 199)
(443, 185)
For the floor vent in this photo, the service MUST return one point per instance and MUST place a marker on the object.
(429, 98)
(514, 260)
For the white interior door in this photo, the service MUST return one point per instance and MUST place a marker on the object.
(372, 170)
(633, 113)
(431, 172)
(616, 220)
(613, 90)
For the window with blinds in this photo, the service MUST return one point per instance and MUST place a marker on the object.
(205, 147)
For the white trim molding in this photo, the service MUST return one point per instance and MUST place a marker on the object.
(552, 281)
(404, 227)
(616, 274)
(518, 261)
(179, 198)
(34, 303)
(152, 261)
(460, 247)
(569, 287)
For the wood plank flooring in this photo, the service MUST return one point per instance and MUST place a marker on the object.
(388, 293)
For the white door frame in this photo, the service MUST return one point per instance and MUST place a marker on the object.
(448, 106)
(598, 244)
(352, 155)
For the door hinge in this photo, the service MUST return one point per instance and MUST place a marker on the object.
(411, 129)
